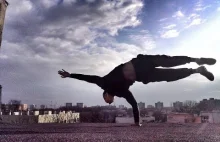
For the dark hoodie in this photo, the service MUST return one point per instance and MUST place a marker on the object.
(115, 84)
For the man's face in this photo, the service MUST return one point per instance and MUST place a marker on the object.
(108, 98)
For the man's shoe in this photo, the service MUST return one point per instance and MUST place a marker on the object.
(208, 61)
(137, 124)
(203, 71)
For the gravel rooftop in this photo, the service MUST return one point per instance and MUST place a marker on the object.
(95, 132)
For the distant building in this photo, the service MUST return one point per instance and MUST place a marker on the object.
(141, 105)
(108, 107)
(121, 106)
(159, 105)
(80, 105)
(42, 106)
(68, 105)
(150, 106)
(209, 105)
(23, 107)
(33, 106)
(210, 116)
(182, 118)
(5, 108)
(177, 105)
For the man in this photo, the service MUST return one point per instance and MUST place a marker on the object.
(143, 69)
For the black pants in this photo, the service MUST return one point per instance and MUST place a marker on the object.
(145, 67)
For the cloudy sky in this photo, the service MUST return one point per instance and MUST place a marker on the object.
(41, 37)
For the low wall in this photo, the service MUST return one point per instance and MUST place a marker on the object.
(62, 117)
(21, 119)
(131, 119)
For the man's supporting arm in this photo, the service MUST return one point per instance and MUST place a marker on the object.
(131, 100)
(88, 78)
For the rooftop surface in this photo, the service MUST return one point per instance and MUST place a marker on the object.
(161, 132)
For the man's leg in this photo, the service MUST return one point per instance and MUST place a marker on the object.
(171, 61)
(176, 74)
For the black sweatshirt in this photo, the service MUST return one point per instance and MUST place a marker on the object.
(115, 84)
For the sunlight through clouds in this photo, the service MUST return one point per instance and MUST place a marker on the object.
(170, 34)
(93, 36)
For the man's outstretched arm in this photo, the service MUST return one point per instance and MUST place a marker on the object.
(131, 100)
(88, 78)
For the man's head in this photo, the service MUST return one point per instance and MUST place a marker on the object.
(107, 97)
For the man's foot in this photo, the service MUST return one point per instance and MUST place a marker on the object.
(208, 61)
(203, 71)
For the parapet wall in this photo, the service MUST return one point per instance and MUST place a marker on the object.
(62, 117)
(19, 119)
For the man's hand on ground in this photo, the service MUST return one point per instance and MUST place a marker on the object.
(64, 73)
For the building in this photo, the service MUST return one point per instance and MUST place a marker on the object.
(5, 108)
(181, 118)
(23, 107)
(33, 106)
(159, 105)
(121, 106)
(111, 107)
(42, 106)
(210, 116)
(68, 105)
(80, 105)
(141, 105)
(209, 105)
(3, 7)
(150, 106)
(177, 105)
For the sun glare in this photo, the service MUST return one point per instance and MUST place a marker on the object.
(204, 43)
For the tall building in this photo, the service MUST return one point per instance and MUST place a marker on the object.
(68, 105)
(80, 105)
(141, 105)
(32, 106)
(177, 105)
(5, 108)
(3, 7)
(159, 105)
(210, 104)
(42, 106)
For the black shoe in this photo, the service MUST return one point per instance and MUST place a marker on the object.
(203, 71)
(208, 61)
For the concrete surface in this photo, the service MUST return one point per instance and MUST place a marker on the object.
(159, 132)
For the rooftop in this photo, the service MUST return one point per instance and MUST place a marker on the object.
(110, 132)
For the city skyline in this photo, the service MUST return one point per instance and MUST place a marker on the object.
(70, 104)
(93, 37)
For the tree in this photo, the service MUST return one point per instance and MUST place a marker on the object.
(14, 104)
(143, 112)
(189, 106)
